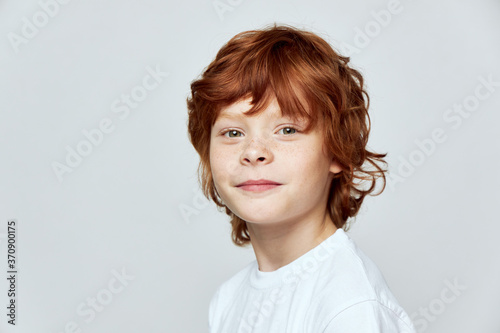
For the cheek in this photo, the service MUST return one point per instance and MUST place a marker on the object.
(214, 163)
(219, 163)
(311, 165)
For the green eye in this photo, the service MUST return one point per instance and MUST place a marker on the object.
(288, 130)
(232, 132)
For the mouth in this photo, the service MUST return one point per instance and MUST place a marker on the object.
(258, 185)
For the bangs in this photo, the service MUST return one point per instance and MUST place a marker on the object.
(268, 69)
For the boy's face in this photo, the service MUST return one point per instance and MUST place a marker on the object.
(270, 147)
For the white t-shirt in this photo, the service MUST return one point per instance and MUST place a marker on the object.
(334, 287)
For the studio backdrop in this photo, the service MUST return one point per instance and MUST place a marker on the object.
(103, 227)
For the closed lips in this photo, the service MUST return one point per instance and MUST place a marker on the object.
(259, 182)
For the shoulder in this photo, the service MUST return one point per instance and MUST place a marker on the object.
(376, 316)
(223, 295)
(352, 286)
(348, 269)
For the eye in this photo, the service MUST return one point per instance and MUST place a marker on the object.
(231, 132)
(288, 130)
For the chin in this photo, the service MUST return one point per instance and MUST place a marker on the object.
(261, 219)
(258, 214)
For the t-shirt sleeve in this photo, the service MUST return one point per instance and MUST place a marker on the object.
(212, 308)
(368, 317)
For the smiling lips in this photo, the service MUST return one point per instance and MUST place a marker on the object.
(258, 185)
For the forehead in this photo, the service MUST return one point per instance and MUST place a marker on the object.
(238, 110)
(235, 110)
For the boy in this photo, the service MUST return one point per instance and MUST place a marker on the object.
(281, 123)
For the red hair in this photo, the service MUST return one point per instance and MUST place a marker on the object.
(291, 65)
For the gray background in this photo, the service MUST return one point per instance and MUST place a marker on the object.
(121, 207)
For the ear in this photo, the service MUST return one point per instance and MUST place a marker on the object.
(335, 167)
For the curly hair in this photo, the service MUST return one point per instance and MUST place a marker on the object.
(287, 63)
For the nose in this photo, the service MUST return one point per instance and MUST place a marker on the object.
(256, 152)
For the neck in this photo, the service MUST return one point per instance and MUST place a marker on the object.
(279, 244)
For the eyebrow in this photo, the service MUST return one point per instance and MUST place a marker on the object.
(241, 116)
